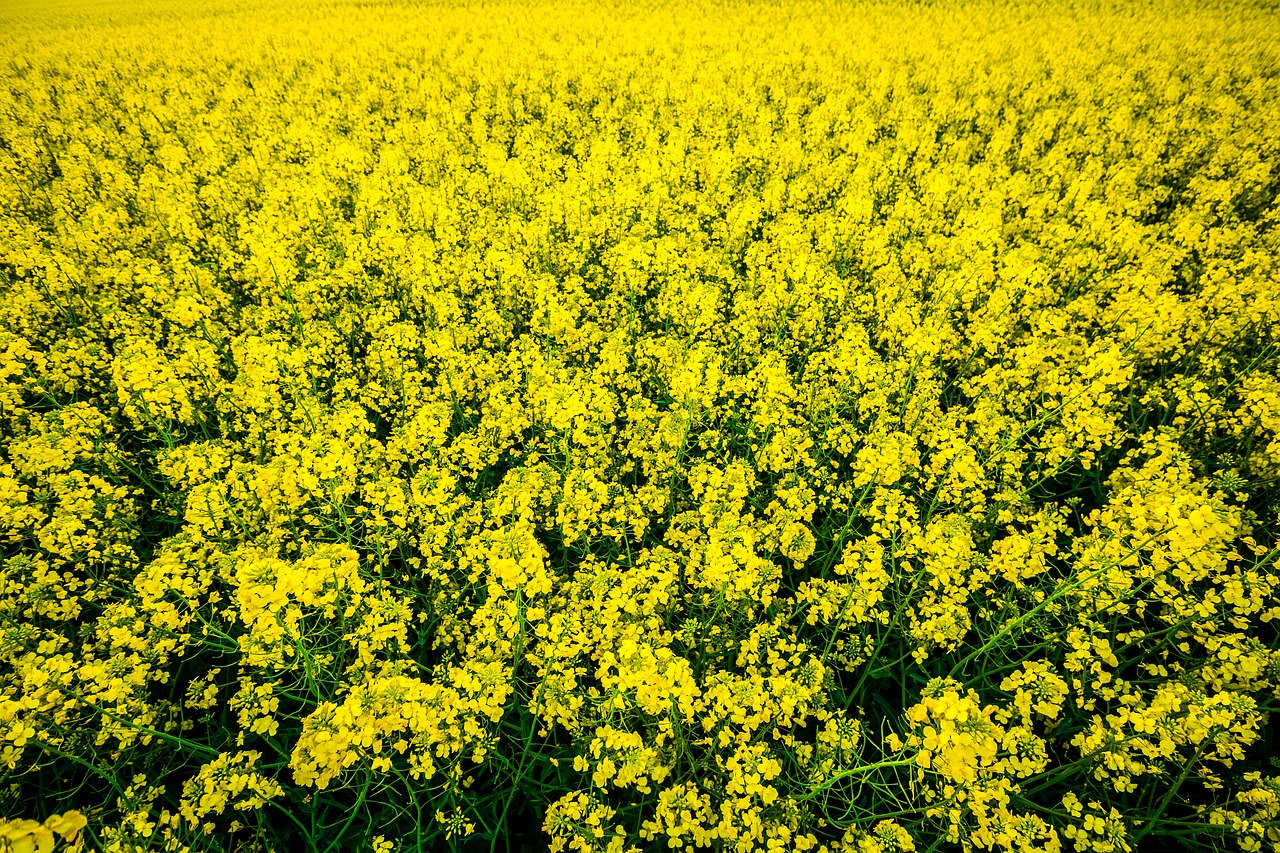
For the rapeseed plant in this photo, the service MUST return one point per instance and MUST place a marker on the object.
(800, 426)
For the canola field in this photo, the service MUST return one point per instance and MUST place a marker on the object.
(732, 426)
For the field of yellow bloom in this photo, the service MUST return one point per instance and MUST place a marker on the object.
(719, 425)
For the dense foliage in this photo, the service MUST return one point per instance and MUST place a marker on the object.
(842, 427)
